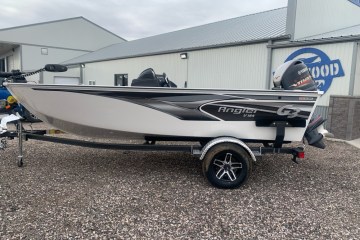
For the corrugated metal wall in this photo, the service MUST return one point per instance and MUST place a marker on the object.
(315, 16)
(232, 67)
(103, 72)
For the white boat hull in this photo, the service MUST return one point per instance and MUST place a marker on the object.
(86, 111)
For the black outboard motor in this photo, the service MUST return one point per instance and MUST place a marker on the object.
(148, 78)
(294, 75)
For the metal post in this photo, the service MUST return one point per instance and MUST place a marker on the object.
(20, 137)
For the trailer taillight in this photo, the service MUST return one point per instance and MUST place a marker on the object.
(301, 154)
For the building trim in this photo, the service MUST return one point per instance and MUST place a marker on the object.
(353, 68)
(321, 41)
(48, 46)
(291, 18)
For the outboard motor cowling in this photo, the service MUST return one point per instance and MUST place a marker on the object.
(294, 75)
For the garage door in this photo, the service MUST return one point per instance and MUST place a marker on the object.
(67, 80)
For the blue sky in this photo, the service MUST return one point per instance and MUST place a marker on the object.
(132, 19)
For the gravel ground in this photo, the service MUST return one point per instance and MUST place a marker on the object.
(72, 192)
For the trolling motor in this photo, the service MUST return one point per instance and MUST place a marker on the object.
(15, 75)
(10, 110)
(19, 77)
(55, 68)
(294, 75)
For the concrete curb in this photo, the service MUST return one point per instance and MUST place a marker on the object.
(355, 142)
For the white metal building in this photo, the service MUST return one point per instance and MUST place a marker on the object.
(32, 46)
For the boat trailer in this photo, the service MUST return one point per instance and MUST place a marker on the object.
(227, 161)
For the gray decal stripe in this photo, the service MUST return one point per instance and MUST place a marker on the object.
(173, 110)
(149, 102)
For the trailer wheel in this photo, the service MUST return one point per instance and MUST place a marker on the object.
(227, 165)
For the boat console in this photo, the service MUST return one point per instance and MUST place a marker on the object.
(148, 78)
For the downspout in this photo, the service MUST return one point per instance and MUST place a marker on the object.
(82, 66)
(269, 65)
(21, 58)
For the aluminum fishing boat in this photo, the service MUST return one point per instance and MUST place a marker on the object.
(138, 112)
(143, 111)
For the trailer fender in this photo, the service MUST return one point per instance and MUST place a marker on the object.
(216, 141)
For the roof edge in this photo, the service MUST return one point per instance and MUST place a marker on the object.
(60, 20)
(41, 23)
(104, 29)
(319, 41)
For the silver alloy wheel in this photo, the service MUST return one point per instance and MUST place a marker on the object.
(227, 165)
(228, 168)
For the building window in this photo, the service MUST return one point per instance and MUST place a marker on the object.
(121, 79)
(44, 51)
(92, 82)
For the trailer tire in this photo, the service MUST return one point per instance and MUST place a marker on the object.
(227, 165)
